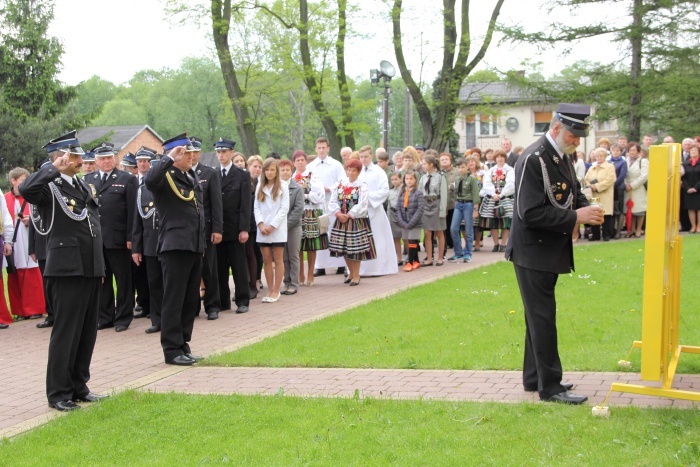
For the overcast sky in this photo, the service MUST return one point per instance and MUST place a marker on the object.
(132, 35)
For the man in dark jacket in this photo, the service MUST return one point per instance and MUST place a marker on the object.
(74, 270)
(178, 200)
(116, 194)
(540, 246)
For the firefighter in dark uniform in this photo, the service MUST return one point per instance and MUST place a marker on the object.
(548, 205)
(74, 270)
(178, 201)
(142, 162)
(210, 181)
(116, 195)
(36, 247)
(237, 199)
(144, 242)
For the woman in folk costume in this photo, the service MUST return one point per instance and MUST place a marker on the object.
(498, 191)
(312, 239)
(25, 287)
(351, 236)
(6, 241)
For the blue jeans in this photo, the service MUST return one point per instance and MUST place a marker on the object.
(464, 210)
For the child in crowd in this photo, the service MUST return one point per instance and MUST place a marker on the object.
(296, 210)
(409, 211)
(466, 209)
(396, 231)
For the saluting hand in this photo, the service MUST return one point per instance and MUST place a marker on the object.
(177, 153)
(62, 164)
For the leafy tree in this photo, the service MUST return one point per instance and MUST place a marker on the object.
(456, 66)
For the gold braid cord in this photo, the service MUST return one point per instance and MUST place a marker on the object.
(186, 199)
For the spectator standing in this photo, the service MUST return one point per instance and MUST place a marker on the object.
(296, 211)
(435, 193)
(474, 166)
(312, 239)
(394, 192)
(620, 165)
(497, 204)
(6, 241)
(466, 208)
(601, 180)
(409, 213)
(635, 187)
(690, 187)
(450, 173)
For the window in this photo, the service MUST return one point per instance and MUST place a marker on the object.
(542, 121)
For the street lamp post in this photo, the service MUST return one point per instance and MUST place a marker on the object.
(385, 72)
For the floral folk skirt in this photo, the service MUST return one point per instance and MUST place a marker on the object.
(352, 240)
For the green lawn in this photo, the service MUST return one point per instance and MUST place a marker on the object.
(146, 429)
(475, 320)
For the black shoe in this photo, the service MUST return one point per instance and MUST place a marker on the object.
(242, 309)
(567, 386)
(91, 397)
(45, 324)
(193, 357)
(502, 248)
(64, 406)
(5, 326)
(181, 360)
(566, 397)
(152, 330)
(138, 308)
(211, 316)
(120, 328)
(340, 270)
(104, 326)
(289, 292)
(142, 314)
(253, 293)
(319, 272)
(347, 280)
(495, 249)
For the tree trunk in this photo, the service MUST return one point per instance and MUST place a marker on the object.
(635, 118)
(437, 130)
(345, 98)
(221, 21)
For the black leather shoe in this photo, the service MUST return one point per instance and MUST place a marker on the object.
(64, 406)
(142, 314)
(347, 280)
(566, 397)
(5, 326)
(181, 360)
(193, 357)
(567, 386)
(152, 330)
(340, 271)
(289, 292)
(120, 328)
(91, 397)
(242, 309)
(45, 324)
(104, 326)
(253, 293)
(319, 272)
(211, 316)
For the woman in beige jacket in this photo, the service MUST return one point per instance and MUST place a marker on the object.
(601, 179)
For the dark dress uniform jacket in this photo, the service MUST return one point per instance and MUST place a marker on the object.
(37, 242)
(540, 235)
(145, 234)
(181, 222)
(117, 198)
(74, 248)
(238, 202)
(210, 181)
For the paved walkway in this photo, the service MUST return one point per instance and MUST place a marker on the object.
(133, 359)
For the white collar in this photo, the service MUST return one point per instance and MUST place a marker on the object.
(102, 174)
(67, 178)
(554, 144)
(228, 167)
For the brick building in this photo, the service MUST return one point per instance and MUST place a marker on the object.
(125, 138)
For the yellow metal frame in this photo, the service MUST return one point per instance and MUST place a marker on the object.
(662, 280)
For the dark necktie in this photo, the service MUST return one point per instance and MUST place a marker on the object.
(76, 184)
(459, 188)
(223, 173)
(104, 178)
(427, 184)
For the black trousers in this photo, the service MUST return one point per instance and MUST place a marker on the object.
(143, 294)
(49, 311)
(75, 302)
(182, 271)
(448, 234)
(231, 255)
(155, 284)
(541, 366)
(210, 276)
(254, 259)
(117, 268)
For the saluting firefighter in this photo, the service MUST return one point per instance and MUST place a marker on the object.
(116, 195)
(548, 205)
(142, 161)
(74, 269)
(144, 246)
(181, 243)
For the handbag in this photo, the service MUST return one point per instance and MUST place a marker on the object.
(11, 268)
(323, 221)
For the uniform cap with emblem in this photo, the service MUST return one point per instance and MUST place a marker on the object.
(224, 144)
(68, 142)
(175, 141)
(196, 144)
(574, 117)
(145, 153)
(103, 149)
(129, 160)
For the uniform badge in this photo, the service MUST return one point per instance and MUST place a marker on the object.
(72, 202)
(146, 209)
(563, 186)
(199, 171)
(182, 190)
(114, 175)
(172, 171)
(151, 203)
(58, 181)
(558, 197)
(71, 208)
(556, 159)
(93, 189)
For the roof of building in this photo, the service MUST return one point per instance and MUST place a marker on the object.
(119, 135)
(496, 93)
(209, 159)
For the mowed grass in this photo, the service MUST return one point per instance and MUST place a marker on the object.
(138, 428)
(475, 320)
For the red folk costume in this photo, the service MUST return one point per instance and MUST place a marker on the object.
(25, 287)
(5, 235)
